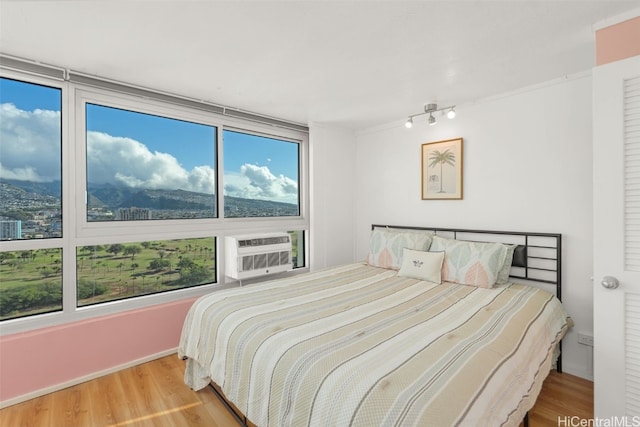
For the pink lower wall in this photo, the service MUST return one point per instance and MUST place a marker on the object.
(618, 41)
(46, 357)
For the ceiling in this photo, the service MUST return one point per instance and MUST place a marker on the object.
(352, 64)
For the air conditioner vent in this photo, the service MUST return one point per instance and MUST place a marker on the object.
(254, 256)
(263, 241)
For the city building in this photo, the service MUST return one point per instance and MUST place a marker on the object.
(10, 229)
(133, 214)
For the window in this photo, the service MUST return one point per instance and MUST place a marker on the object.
(260, 176)
(142, 166)
(30, 198)
(30, 161)
(138, 177)
(119, 271)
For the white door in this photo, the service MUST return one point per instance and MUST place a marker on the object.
(616, 238)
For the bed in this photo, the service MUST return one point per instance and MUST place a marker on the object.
(375, 343)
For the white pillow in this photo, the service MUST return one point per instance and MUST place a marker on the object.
(422, 265)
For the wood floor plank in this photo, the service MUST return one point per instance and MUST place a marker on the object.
(145, 400)
(32, 413)
(562, 395)
(71, 407)
(178, 399)
(219, 415)
(105, 411)
(154, 394)
(120, 403)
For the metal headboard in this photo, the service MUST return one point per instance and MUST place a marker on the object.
(538, 256)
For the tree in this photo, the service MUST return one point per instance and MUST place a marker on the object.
(185, 263)
(4, 256)
(89, 289)
(195, 275)
(446, 157)
(46, 272)
(115, 249)
(159, 264)
(132, 250)
(93, 249)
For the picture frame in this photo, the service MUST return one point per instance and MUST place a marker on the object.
(442, 170)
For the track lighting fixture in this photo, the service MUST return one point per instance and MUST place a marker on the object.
(430, 109)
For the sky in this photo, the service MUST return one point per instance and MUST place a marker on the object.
(29, 132)
(140, 150)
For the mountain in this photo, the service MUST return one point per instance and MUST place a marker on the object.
(53, 189)
(112, 198)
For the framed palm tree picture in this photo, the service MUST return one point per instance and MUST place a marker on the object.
(442, 170)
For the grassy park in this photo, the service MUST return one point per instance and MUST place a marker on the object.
(31, 281)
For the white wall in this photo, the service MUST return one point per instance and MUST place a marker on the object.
(527, 167)
(332, 180)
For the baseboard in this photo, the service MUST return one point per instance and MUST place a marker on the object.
(92, 376)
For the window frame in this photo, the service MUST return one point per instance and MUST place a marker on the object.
(302, 212)
(78, 232)
(85, 228)
(53, 242)
(64, 130)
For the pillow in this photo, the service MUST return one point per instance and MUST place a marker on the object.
(470, 263)
(385, 246)
(422, 265)
(503, 274)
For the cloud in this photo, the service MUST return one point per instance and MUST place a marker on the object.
(30, 148)
(31, 151)
(125, 161)
(258, 182)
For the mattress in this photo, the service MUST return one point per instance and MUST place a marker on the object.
(358, 345)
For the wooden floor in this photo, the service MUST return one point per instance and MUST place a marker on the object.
(153, 394)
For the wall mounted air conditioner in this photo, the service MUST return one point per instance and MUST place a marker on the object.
(257, 255)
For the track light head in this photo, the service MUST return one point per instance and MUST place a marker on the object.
(409, 123)
(432, 120)
(452, 113)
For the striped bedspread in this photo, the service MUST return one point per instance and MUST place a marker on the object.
(358, 345)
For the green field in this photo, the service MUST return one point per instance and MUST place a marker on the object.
(31, 281)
